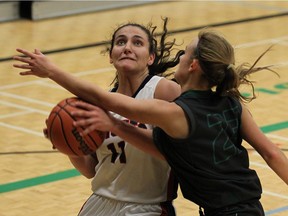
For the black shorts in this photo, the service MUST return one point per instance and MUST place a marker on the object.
(168, 209)
(251, 208)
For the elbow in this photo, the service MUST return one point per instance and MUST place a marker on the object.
(271, 155)
(88, 175)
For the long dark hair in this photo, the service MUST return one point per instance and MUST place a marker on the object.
(161, 49)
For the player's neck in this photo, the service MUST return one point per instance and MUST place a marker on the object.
(129, 85)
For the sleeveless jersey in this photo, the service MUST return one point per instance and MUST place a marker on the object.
(211, 165)
(128, 174)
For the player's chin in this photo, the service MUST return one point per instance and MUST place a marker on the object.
(129, 66)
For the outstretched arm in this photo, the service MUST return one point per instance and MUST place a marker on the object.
(148, 111)
(95, 118)
(273, 156)
(39, 65)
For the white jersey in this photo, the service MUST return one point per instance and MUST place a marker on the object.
(128, 174)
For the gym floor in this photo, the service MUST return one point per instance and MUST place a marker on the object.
(36, 180)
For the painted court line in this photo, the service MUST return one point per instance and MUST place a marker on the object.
(12, 186)
(108, 69)
(275, 127)
(263, 42)
(275, 195)
(52, 85)
(41, 81)
(100, 70)
(277, 137)
(14, 114)
(257, 4)
(21, 129)
(26, 108)
(73, 172)
(259, 164)
(38, 180)
(22, 84)
(275, 211)
(26, 99)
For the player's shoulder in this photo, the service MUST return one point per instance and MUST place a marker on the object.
(167, 89)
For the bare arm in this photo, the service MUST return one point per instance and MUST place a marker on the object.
(145, 111)
(273, 156)
(138, 137)
(95, 118)
(85, 165)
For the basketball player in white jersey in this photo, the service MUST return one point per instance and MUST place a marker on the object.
(127, 181)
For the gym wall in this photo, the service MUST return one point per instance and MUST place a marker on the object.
(36, 10)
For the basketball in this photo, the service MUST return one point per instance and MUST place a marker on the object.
(65, 137)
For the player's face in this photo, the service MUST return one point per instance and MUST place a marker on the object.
(131, 50)
(182, 72)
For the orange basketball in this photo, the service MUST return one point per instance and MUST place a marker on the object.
(65, 137)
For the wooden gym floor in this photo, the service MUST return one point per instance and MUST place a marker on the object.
(38, 181)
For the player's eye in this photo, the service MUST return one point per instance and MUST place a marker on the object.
(120, 42)
(138, 43)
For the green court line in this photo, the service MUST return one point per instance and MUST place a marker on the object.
(38, 180)
(17, 185)
(274, 127)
